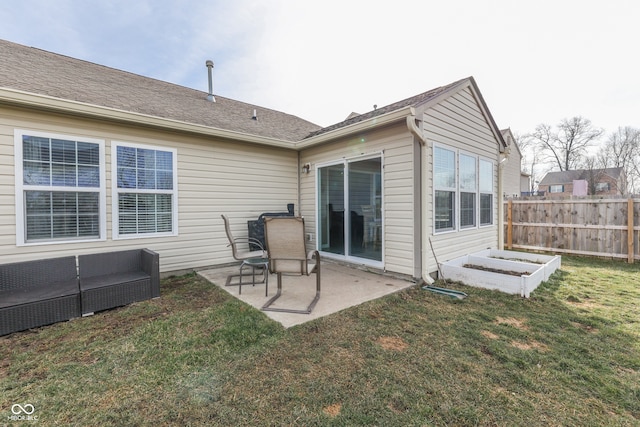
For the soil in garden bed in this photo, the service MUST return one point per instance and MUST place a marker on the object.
(530, 261)
(497, 270)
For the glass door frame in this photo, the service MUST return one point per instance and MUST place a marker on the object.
(347, 256)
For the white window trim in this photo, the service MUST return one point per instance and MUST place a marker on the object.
(20, 188)
(493, 193)
(476, 192)
(455, 190)
(457, 228)
(345, 161)
(115, 191)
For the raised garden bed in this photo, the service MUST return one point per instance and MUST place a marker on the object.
(512, 272)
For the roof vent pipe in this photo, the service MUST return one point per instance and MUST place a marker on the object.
(210, 97)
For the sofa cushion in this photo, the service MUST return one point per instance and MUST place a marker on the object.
(13, 297)
(94, 282)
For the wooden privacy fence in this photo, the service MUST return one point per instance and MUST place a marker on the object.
(598, 227)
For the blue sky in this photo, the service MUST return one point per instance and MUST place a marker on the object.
(535, 62)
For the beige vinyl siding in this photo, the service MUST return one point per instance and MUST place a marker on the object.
(511, 171)
(398, 187)
(214, 177)
(525, 183)
(457, 123)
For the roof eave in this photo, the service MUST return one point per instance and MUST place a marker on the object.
(359, 127)
(75, 108)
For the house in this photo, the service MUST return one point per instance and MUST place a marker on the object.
(516, 182)
(525, 183)
(95, 159)
(583, 182)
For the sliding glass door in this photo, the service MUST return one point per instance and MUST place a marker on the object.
(332, 207)
(350, 209)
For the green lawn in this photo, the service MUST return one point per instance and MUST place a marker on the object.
(570, 355)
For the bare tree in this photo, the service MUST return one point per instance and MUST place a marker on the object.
(540, 139)
(622, 150)
(567, 145)
(594, 174)
(530, 158)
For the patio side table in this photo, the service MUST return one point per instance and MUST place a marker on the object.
(256, 263)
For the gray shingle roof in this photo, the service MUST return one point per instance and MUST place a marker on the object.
(41, 72)
(37, 71)
(567, 177)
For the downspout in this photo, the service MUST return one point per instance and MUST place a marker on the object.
(299, 175)
(503, 158)
(415, 130)
(421, 144)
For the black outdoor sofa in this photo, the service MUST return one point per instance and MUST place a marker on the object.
(42, 292)
(38, 293)
(112, 279)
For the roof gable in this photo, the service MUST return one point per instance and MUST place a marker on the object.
(422, 101)
(412, 101)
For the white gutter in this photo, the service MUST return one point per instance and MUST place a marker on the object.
(76, 108)
(413, 128)
(49, 103)
(381, 120)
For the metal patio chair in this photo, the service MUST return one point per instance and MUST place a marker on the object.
(239, 252)
(371, 226)
(288, 256)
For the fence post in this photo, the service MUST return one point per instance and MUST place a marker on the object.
(510, 224)
(630, 234)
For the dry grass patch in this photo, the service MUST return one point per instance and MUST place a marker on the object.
(511, 321)
(583, 304)
(532, 345)
(392, 343)
(584, 327)
(333, 410)
(489, 335)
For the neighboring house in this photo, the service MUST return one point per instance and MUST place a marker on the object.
(514, 178)
(598, 182)
(97, 159)
(525, 183)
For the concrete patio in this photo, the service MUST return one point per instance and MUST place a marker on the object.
(342, 287)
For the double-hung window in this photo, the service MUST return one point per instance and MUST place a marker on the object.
(445, 188)
(486, 192)
(145, 195)
(60, 193)
(463, 190)
(468, 177)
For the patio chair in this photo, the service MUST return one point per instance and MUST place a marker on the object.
(243, 254)
(372, 226)
(288, 255)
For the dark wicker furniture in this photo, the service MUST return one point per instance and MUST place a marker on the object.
(38, 293)
(113, 279)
